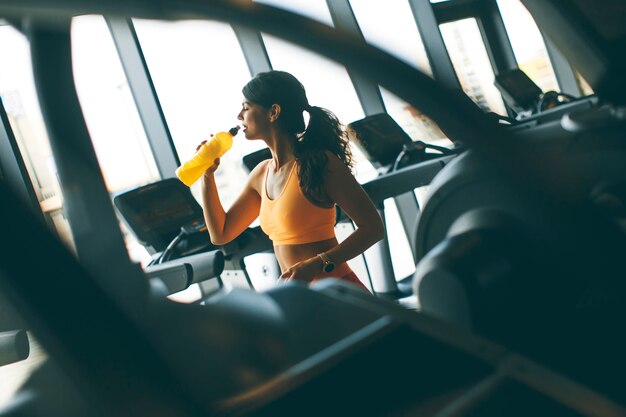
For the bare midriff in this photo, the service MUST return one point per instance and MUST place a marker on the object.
(289, 255)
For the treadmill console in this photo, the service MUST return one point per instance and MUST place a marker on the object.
(156, 212)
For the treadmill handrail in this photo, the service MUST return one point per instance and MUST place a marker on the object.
(404, 180)
(179, 274)
(176, 276)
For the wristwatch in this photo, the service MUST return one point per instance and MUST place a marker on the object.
(328, 265)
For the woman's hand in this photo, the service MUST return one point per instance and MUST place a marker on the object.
(210, 170)
(303, 271)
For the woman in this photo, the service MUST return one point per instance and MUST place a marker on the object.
(294, 193)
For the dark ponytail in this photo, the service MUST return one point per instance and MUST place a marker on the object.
(323, 133)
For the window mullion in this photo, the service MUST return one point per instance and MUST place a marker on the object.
(367, 91)
(562, 70)
(428, 27)
(144, 94)
(12, 168)
(253, 49)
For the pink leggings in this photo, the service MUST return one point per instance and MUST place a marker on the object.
(351, 277)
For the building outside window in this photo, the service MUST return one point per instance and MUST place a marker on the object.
(470, 60)
(17, 88)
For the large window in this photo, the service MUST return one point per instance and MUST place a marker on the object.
(199, 88)
(528, 46)
(17, 89)
(391, 27)
(471, 63)
(111, 115)
(404, 42)
(327, 83)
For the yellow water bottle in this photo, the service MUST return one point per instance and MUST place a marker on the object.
(190, 171)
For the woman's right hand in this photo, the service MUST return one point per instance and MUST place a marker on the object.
(210, 170)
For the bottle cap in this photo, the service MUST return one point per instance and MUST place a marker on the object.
(234, 130)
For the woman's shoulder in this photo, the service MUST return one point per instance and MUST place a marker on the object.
(257, 175)
(260, 168)
(334, 163)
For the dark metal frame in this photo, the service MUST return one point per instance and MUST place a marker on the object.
(86, 199)
(12, 167)
(253, 48)
(428, 26)
(145, 96)
(368, 92)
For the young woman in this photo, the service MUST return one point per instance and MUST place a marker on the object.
(295, 192)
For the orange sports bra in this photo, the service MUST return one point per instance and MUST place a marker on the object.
(290, 218)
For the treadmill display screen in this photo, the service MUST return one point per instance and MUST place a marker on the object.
(156, 212)
(379, 137)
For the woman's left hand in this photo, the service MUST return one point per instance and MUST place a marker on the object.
(303, 271)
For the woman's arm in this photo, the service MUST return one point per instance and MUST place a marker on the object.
(225, 226)
(343, 188)
(345, 191)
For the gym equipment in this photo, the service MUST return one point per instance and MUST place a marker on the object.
(159, 212)
(14, 346)
(179, 274)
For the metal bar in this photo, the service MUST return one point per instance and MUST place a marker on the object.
(96, 232)
(408, 210)
(565, 76)
(436, 51)
(379, 266)
(404, 180)
(495, 37)
(253, 48)
(367, 91)
(144, 94)
(14, 346)
(12, 167)
(473, 397)
(451, 10)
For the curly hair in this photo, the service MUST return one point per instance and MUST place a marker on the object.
(324, 133)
